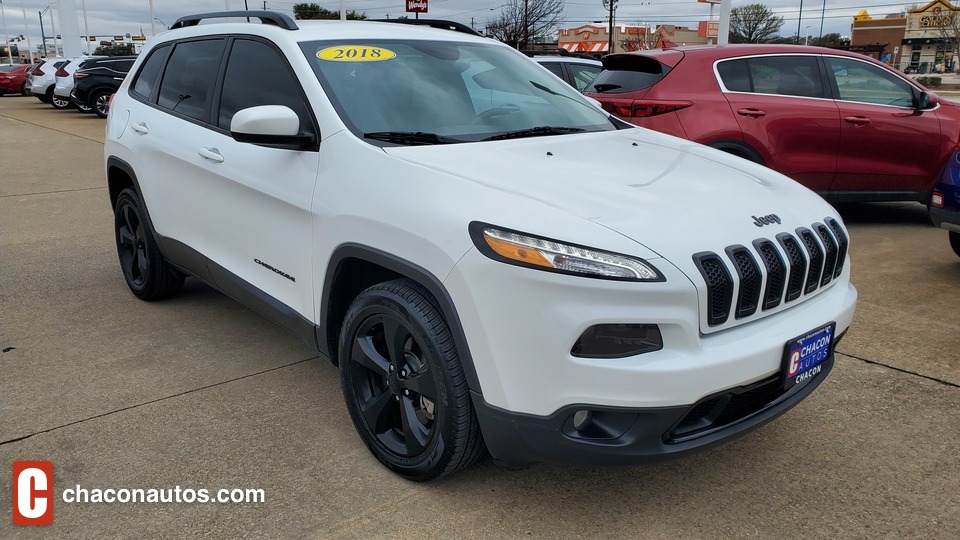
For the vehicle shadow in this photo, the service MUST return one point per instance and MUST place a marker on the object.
(884, 213)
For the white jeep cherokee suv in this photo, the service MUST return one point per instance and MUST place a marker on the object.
(492, 261)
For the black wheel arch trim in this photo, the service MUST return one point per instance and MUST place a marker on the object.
(728, 145)
(406, 269)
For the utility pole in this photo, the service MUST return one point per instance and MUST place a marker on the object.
(526, 25)
(611, 4)
(799, 21)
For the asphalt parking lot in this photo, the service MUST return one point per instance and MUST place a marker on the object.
(200, 392)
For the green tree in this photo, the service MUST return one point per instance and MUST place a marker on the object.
(753, 23)
(314, 11)
(119, 49)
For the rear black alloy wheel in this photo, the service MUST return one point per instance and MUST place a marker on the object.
(146, 273)
(59, 102)
(955, 242)
(101, 103)
(403, 383)
(84, 108)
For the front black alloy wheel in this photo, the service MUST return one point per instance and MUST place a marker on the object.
(147, 274)
(404, 385)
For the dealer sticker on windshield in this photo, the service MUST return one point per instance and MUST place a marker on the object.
(804, 356)
(355, 53)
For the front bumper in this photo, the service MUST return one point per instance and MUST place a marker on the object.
(623, 436)
(520, 325)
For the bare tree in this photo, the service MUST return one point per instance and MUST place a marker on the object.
(753, 23)
(524, 21)
(949, 29)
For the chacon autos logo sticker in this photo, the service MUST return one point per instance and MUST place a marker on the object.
(356, 53)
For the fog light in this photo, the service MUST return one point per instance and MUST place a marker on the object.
(581, 419)
(617, 341)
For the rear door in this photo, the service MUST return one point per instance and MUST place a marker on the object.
(785, 113)
(886, 144)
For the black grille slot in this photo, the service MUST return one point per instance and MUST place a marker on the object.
(830, 258)
(726, 408)
(841, 244)
(750, 280)
(776, 272)
(719, 286)
(816, 259)
(798, 265)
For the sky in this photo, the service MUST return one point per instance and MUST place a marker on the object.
(118, 17)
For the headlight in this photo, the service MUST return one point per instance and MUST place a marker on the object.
(513, 247)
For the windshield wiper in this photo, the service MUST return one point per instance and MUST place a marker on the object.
(534, 132)
(411, 138)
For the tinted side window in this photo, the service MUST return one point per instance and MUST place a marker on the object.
(735, 75)
(583, 74)
(554, 68)
(189, 77)
(863, 82)
(149, 73)
(786, 75)
(257, 75)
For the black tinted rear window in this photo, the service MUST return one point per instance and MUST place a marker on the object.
(628, 73)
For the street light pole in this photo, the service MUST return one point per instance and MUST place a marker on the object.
(806, 39)
(43, 36)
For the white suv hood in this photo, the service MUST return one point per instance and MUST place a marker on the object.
(675, 197)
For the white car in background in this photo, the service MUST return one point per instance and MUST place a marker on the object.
(576, 70)
(64, 84)
(43, 78)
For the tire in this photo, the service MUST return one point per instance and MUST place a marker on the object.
(955, 242)
(403, 383)
(100, 102)
(46, 98)
(59, 102)
(83, 107)
(147, 274)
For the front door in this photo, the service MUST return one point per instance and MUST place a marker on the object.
(886, 144)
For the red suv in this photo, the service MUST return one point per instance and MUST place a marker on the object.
(839, 123)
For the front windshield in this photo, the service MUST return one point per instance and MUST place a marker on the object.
(446, 92)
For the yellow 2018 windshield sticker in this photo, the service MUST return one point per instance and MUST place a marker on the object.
(356, 53)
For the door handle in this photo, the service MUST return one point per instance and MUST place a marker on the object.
(140, 128)
(752, 113)
(857, 120)
(211, 153)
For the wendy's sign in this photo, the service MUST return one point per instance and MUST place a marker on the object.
(416, 6)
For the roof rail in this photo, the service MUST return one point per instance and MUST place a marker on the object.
(557, 52)
(434, 23)
(266, 17)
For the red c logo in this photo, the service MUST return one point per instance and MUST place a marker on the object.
(32, 492)
(794, 363)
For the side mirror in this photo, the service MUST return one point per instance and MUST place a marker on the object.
(269, 125)
(926, 101)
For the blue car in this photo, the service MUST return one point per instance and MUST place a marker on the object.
(945, 201)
